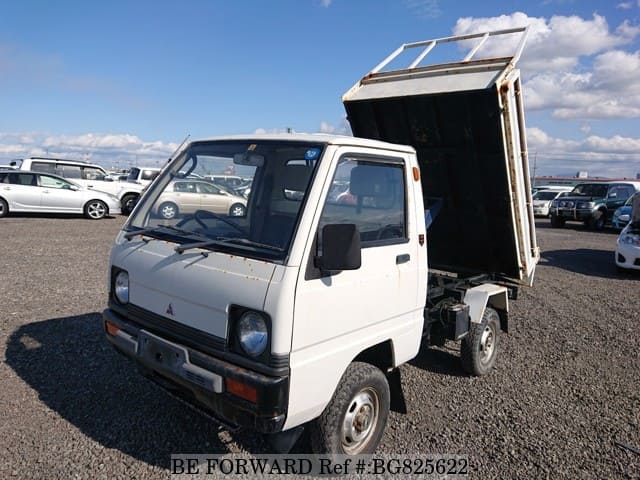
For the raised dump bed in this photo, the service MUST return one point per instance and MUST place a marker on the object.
(465, 119)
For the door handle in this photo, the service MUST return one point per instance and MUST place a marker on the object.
(404, 258)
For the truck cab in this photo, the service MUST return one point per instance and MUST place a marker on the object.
(258, 317)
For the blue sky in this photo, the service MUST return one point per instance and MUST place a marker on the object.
(126, 81)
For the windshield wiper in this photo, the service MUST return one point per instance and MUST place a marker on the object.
(135, 233)
(249, 243)
(188, 246)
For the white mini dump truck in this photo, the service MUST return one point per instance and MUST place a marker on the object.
(351, 254)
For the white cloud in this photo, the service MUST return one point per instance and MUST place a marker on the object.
(343, 127)
(610, 157)
(625, 5)
(105, 149)
(325, 3)
(424, 8)
(264, 131)
(576, 67)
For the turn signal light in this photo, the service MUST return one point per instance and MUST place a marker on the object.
(241, 390)
(111, 329)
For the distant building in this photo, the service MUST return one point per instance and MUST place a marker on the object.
(582, 175)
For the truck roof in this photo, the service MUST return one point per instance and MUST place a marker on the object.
(330, 139)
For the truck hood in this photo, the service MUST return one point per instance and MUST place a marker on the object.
(190, 288)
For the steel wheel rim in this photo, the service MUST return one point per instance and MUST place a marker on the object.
(2, 211)
(96, 210)
(360, 421)
(487, 344)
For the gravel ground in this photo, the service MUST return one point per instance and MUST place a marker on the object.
(566, 386)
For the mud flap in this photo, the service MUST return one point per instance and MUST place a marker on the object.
(398, 403)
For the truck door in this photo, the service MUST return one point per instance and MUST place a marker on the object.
(339, 314)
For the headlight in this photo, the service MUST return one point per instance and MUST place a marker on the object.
(252, 333)
(121, 287)
(625, 217)
(586, 205)
(630, 239)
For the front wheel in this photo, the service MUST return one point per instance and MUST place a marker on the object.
(128, 202)
(597, 222)
(237, 210)
(95, 210)
(479, 348)
(354, 420)
(168, 210)
(4, 208)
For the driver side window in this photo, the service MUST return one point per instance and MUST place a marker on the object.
(372, 196)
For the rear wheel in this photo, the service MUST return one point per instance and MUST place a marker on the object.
(556, 221)
(168, 210)
(354, 420)
(4, 208)
(95, 210)
(479, 348)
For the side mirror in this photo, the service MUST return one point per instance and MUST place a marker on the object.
(340, 248)
(73, 187)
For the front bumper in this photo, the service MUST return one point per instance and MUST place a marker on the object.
(579, 215)
(540, 211)
(628, 256)
(202, 379)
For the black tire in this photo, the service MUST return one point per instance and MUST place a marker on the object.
(597, 223)
(556, 221)
(237, 210)
(168, 210)
(4, 208)
(95, 210)
(479, 348)
(128, 202)
(363, 395)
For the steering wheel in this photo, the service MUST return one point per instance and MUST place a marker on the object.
(199, 214)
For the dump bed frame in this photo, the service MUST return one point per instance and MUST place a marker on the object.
(465, 119)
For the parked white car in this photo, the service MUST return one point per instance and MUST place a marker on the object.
(143, 176)
(26, 191)
(628, 248)
(542, 201)
(88, 175)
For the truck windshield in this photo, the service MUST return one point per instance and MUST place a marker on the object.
(256, 219)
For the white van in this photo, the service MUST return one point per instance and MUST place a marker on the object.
(88, 175)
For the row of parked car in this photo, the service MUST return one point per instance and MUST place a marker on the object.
(66, 186)
(596, 204)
